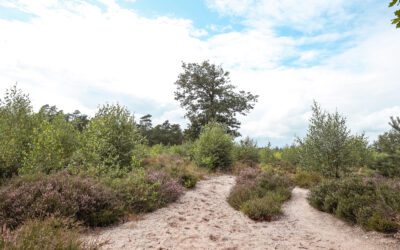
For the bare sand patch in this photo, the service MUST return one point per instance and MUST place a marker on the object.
(202, 219)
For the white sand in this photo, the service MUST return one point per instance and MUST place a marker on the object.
(202, 219)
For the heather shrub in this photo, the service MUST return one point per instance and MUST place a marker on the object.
(247, 152)
(187, 175)
(372, 203)
(48, 234)
(177, 167)
(213, 149)
(144, 191)
(264, 208)
(260, 195)
(168, 188)
(58, 195)
(306, 179)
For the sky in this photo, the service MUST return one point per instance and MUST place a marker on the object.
(80, 54)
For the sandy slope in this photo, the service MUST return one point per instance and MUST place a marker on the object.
(202, 219)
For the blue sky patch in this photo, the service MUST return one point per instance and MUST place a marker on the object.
(14, 14)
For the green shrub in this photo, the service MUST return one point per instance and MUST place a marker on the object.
(213, 149)
(372, 203)
(306, 179)
(145, 192)
(246, 152)
(177, 167)
(264, 208)
(260, 195)
(387, 155)
(60, 194)
(52, 233)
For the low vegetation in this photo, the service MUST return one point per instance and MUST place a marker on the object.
(372, 203)
(260, 195)
(51, 233)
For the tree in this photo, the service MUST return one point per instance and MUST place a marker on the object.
(204, 90)
(78, 120)
(387, 159)
(16, 125)
(328, 146)
(111, 137)
(166, 134)
(53, 144)
(396, 20)
(395, 123)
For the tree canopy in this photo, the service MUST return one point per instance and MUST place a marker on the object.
(206, 92)
(396, 20)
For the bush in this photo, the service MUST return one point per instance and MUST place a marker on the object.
(52, 233)
(262, 209)
(387, 155)
(60, 195)
(145, 192)
(246, 152)
(306, 179)
(372, 203)
(213, 149)
(260, 195)
(177, 167)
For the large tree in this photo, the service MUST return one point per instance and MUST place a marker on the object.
(396, 20)
(206, 92)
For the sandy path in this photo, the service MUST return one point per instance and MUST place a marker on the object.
(202, 219)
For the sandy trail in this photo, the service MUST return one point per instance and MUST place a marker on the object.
(202, 219)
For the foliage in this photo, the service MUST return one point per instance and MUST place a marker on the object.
(396, 20)
(177, 167)
(328, 147)
(204, 90)
(48, 234)
(16, 126)
(372, 203)
(144, 191)
(213, 149)
(306, 179)
(291, 154)
(387, 157)
(165, 133)
(110, 138)
(58, 195)
(78, 120)
(260, 195)
(53, 144)
(246, 152)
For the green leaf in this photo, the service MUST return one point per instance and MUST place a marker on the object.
(393, 2)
